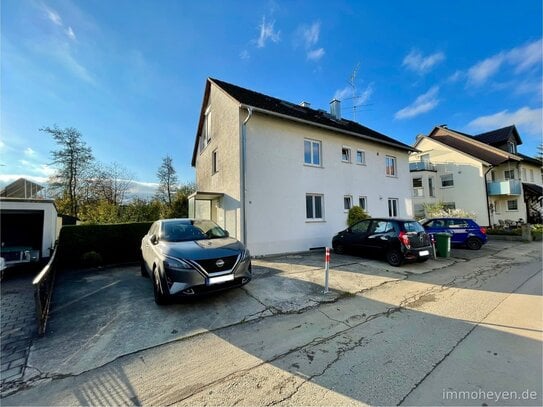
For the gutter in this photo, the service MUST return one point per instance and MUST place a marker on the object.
(243, 172)
(323, 126)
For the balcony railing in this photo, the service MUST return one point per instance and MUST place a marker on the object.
(507, 187)
(422, 166)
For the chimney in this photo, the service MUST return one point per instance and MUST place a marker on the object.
(305, 104)
(335, 108)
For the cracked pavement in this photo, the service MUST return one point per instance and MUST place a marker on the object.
(381, 336)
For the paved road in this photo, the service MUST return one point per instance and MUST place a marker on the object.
(468, 332)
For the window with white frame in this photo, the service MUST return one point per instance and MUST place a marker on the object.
(512, 205)
(312, 152)
(347, 202)
(346, 154)
(509, 174)
(206, 130)
(393, 207)
(314, 206)
(214, 167)
(531, 175)
(363, 202)
(390, 166)
(447, 180)
(524, 175)
(361, 157)
(418, 189)
(511, 147)
(431, 186)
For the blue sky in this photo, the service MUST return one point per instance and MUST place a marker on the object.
(130, 75)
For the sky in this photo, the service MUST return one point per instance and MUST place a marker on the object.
(130, 74)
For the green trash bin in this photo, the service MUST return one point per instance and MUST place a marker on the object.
(443, 244)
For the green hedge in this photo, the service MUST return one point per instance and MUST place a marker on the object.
(111, 244)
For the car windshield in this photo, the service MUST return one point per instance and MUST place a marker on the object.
(413, 227)
(191, 230)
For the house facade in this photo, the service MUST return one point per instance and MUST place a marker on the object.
(281, 177)
(482, 174)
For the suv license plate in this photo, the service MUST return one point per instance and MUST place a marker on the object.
(424, 253)
(220, 279)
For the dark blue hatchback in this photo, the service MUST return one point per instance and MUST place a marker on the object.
(463, 231)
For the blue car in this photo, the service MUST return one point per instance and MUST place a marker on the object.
(463, 232)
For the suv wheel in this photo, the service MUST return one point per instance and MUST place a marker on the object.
(160, 297)
(473, 243)
(394, 257)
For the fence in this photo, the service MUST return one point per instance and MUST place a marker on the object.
(43, 290)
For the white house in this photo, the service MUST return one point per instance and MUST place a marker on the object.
(483, 174)
(281, 177)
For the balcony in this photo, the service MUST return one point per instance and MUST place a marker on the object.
(507, 187)
(422, 166)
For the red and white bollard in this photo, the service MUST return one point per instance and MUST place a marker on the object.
(326, 269)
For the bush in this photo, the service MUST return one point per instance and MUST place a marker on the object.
(91, 259)
(504, 232)
(116, 243)
(356, 214)
(437, 210)
(537, 232)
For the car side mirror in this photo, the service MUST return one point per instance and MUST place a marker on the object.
(153, 239)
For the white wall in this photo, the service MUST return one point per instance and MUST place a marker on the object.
(278, 180)
(49, 219)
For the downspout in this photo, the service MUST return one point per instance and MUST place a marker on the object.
(486, 194)
(244, 172)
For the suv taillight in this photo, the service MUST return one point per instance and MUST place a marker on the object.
(404, 238)
(483, 230)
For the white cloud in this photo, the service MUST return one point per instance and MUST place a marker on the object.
(415, 61)
(70, 33)
(311, 34)
(29, 152)
(52, 15)
(530, 120)
(244, 54)
(342, 94)
(521, 58)
(366, 94)
(424, 103)
(316, 54)
(267, 33)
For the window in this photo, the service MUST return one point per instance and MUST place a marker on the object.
(512, 205)
(206, 130)
(493, 176)
(447, 180)
(457, 223)
(363, 202)
(524, 178)
(312, 152)
(418, 189)
(511, 147)
(346, 154)
(431, 186)
(390, 166)
(361, 227)
(392, 207)
(509, 174)
(313, 207)
(347, 202)
(214, 168)
(531, 175)
(381, 226)
(361, 157)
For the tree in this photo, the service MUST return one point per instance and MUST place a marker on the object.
(72, 159)
(111, 183)
(167, 181)
(356, 214)
(180, 203)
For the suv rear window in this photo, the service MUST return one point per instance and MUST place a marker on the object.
(413, 227)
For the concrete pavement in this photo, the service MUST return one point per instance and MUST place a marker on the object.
(376, 340)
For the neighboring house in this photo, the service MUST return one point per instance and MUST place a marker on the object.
(281, 177)
(483, 174)
(22, 188)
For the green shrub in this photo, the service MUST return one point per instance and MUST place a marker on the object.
(91, 259)
(504, 232)
(115, 243)
(356, 214)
